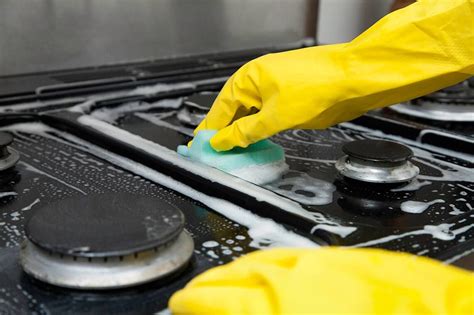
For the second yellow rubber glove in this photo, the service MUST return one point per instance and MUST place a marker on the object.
(328, 281)
(411, 52)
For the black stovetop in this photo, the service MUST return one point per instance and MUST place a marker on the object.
(61, 158)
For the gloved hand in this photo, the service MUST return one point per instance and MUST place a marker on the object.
(409, 53)
(328, 281)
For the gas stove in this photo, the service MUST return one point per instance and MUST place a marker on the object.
(99, 214)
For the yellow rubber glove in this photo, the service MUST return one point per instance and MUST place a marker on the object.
(409, 53)
(328, 281)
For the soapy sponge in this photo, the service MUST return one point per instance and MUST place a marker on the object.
(259, 163)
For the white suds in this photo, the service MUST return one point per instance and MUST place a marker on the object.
(85, 107)
(412, 186)
(37, 200)
(455, 210)
(111, 115)
(210, 244)
(212, 254)
(34, 169)
(304, 189)
(261, 174)
(213, 174)
(8, 193)
(264, 232)
(441, 232)
(418, 206)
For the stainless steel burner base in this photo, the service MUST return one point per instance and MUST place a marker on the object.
(106, 272)
(10, 160)
(376, 173)
(437, 111)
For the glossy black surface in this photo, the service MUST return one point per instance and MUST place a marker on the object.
(54, 168)
(111, 224)
(377, 150)
(376, 210)
(201, 101)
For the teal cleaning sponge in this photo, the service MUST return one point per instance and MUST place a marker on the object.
(259, 163)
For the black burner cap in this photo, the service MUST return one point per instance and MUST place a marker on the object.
(104, 225)
(377, 151)
(5, 139)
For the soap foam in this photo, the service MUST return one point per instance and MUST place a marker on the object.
(264, 232)
(304, 189)
(212, 174)
(263, 173)
(111, 115)
(418, 206)
(442, 232)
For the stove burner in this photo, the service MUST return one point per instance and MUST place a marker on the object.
(8, 156)
(454, 103)
(196, 108)
(105, 241)
(377, 161)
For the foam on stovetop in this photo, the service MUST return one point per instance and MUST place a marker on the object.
(411, 206)
(215, 175)
(111, 115)
(260, 234)
(85, 106)
(264, 232)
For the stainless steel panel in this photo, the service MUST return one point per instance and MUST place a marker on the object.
(45, 35)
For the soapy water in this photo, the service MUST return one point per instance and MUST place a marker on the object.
(264, 232)
(449, 171)
(261, 238)
(307, 195)
(86, 106)
(227, 247)
(414, 185)
(8, 193)
(210, 173)
(418, 206)
(34, 169)
(304, 189)
(441, 232)
(261, 174)
(294, 140)
(113, 116)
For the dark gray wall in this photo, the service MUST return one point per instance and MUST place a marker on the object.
(43, 35)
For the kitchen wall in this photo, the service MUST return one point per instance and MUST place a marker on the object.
(342, 20)
(43, 35)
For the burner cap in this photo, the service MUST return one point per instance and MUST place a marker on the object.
(105, 241)
(377, 161)
(377, 151)
(104, 225)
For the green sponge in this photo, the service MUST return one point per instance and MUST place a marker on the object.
(260, 163)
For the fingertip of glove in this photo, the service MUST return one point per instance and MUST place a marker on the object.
(220, 142)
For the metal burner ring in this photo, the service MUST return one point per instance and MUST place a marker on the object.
(106, 272)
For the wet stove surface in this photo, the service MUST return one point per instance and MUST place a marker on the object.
(435, 211)
(432, 216)
(51, 171)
